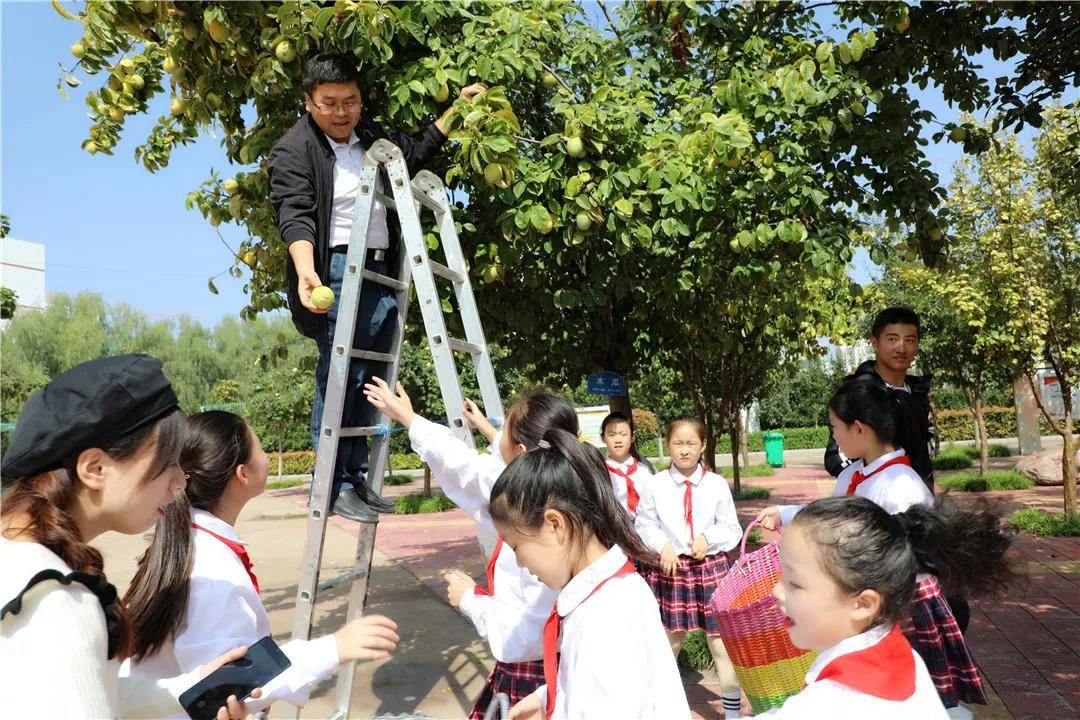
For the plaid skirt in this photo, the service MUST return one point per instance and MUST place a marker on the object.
(684, 598)
(517, 680)
(933, 632)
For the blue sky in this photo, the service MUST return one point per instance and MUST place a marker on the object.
(107, 224)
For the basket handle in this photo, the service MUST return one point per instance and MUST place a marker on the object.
(746, 535)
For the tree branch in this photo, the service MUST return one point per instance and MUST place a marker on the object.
(559, 80)
(611, 24)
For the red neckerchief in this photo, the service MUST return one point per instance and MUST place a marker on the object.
(627, 475)
(238, 548)
(490, 589)
(886, 669)
(551, 639)
(859, 478)
(688, 498)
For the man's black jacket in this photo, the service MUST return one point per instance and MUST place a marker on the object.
(914, 430)
(301, 167)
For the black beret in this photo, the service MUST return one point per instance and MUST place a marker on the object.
(91, 405)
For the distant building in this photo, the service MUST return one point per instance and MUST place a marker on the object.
(22, 269)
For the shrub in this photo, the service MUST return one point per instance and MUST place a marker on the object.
(397, 480)
(952, 459)
(648, 447)
(695, 652)
(416, 503)
(1000, 422)
(405, 461)
(286, 483)
(645, 424)
(1040, 522)
(794, 439)
(972, 481)
(993, 450)
(750, 492)
(301, 462)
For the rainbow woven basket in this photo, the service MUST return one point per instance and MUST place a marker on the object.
(769, 667)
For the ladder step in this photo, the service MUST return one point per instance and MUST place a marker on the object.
(445, 272)
(383, 280)
(370, 355)
(386, 200)
(465, 347)
(362, 431)
(334, 582)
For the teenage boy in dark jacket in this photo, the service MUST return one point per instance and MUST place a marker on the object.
(314, 177)
(895, 338)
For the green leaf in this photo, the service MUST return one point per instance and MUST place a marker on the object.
(624, 207)
(824, 50)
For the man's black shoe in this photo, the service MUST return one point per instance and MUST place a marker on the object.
(374, 500)
(349, 506)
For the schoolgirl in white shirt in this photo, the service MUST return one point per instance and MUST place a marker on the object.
(605, 651)
(862, 421)
(687, 516)
(509, 611)
(627, 473)
(196, 591)
(848, 575)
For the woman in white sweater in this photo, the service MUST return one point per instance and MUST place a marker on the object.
(94, 450)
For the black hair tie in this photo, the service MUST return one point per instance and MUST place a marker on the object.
(105, 592)
(907, 525)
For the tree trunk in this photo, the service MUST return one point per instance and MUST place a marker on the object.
(708, 458)
(735, 432)
(744, 443)
(280, 461)
(1065, 430)
(427, 481)
(1068, 463)
(980, 432)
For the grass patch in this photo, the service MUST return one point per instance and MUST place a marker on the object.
(971, 481)
(397, 480)
(952, 459)
(695, 652)
(762, 470)
(416, 503)
(1040, 522)
(750, 492)
(286, 483)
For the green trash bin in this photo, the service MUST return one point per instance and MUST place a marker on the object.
(774, 449)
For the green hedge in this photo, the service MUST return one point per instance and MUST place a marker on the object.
(1000, 423)
(303, 462)
(794, 439)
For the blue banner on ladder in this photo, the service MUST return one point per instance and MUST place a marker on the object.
(607, 383)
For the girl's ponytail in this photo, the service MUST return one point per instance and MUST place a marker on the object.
(861, 547)
(569, 476)
(217, 443)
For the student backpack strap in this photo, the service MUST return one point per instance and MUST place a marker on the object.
(105, 592)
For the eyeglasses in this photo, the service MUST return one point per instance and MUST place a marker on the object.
(347, 107)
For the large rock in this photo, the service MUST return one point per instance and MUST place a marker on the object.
(1044, 468)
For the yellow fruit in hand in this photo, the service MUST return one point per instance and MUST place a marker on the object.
(322, 297)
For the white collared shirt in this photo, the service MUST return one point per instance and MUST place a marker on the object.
(512, 620)
(618, 482)
(896, 488)
(348, 160)
(615, 660)
(829, 700)
(224, 611)
(661, 518)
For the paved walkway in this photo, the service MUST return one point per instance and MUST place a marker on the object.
(1025, 643)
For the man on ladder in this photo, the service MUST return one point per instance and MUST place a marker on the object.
(314, 178)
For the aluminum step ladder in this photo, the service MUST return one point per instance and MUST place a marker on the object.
(409, 198)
